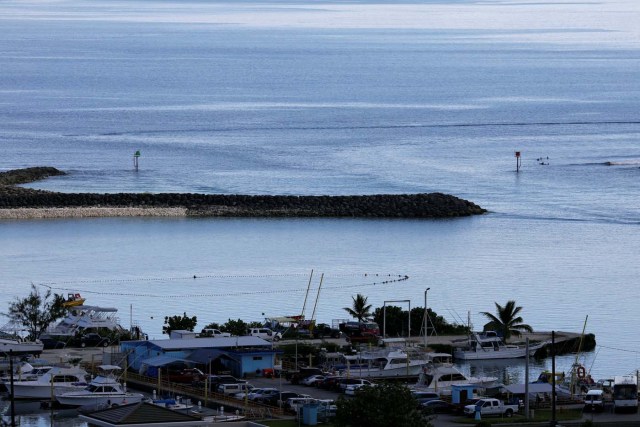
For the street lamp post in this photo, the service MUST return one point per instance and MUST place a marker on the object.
(13, 401)
(426, 319)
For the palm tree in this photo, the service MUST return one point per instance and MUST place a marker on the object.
(360, 308)
(507, 320)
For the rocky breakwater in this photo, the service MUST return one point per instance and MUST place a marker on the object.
(17, 202)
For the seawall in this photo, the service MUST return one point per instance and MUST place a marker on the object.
(16, 202)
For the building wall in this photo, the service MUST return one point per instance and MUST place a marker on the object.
(254, 363)
(247, 363)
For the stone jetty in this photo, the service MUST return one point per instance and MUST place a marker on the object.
(17, 202)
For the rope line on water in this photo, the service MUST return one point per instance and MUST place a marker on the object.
(398, 278)
(203, 276)
(619, 349)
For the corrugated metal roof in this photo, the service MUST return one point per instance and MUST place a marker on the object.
(193, 343)
(164, 360)
(140, 414)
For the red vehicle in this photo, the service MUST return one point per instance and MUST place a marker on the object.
(187, 376)
(361, 332)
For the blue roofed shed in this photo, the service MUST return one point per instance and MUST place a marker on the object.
(238, 355)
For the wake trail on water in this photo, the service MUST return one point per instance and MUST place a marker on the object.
(547, 218)
(631, 162)
(363, 127)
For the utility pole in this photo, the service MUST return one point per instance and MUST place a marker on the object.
(426, 319)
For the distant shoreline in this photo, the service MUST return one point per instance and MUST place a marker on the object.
(25, 203)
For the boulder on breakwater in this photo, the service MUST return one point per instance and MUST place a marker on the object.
(432, 205)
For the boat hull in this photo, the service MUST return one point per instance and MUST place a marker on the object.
(509, 353)
(403, 372)
(35, 390)
(92, 399)
(18, 348)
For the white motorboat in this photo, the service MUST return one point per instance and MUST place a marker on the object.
(387, 363)
(18, 346)
(24, 372)
(85, 318)
(56, 381)
(439, 374)
(488, 345)
(103, 391)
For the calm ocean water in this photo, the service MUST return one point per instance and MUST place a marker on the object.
(335, 98)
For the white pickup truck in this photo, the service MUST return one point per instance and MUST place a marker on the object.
(491, 407)
(214, 333)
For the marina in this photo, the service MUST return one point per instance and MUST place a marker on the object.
(528, 110)
(435, 369)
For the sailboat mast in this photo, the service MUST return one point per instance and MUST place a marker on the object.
(306, 295)
(313, 315)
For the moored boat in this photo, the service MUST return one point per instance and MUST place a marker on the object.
(386, 363)
(439, 374)
(18, 346)
(73, 300)
(56, 381)
(104, 390)
(488, 345)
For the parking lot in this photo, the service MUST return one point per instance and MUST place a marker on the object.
(284, 385)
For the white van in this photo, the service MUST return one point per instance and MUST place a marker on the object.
(265, 333)
(594, 400)
(230, 389)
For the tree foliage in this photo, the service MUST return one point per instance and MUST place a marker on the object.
(37, 311)
(397, 322)
(506, 321)
(386, 404)
(359, 309)
(179, 323)
(235, 327)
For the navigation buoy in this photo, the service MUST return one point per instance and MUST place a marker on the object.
(136, 155)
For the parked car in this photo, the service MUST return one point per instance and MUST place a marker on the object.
(425, 396)
(293, 403)
(266, 395)
(234, 388)
(214, 333)
(352, 389)
(215, 380)
(323, 330)
(187, 376)
(280, 399)
(345, 382)
(437, 406)
(330, 382)
(93, 339)
(594, 400)
(253, 393)
(265, 333)
(312, 380)
(295, 377)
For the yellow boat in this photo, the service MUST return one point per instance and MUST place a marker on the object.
(73, 300)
